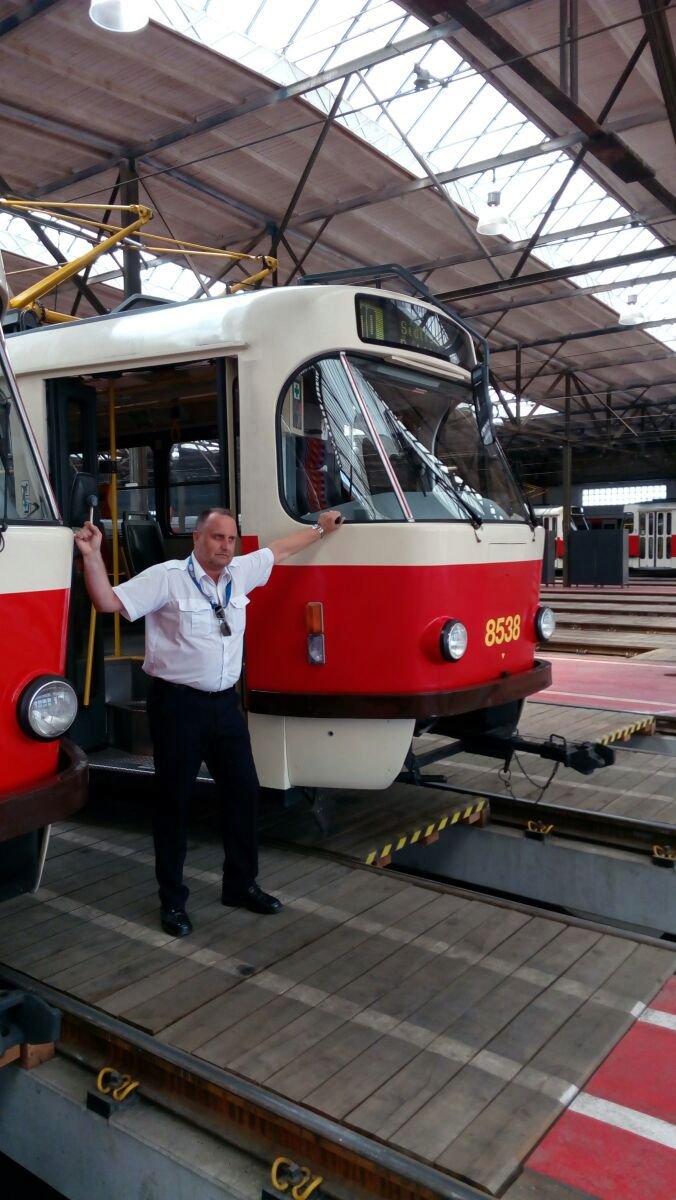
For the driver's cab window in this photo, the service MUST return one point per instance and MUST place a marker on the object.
(310, 461)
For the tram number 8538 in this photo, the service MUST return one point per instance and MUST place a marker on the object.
(502, 629)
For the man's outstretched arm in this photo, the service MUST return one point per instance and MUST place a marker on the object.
(285, 547)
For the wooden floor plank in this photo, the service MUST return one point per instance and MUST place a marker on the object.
(222, 1031)
(167, 1007)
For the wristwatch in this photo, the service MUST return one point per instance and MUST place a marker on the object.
(320, 529)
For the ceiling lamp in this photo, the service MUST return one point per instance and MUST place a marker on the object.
(494, 223)
(119, 16)
(632, 314)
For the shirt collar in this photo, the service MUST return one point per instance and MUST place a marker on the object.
(201, 574)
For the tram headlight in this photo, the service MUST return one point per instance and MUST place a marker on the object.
(453, 640)
(545, 624)
(47, 708)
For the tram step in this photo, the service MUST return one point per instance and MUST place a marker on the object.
(128, 727)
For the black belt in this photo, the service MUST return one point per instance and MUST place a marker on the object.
(185, 687)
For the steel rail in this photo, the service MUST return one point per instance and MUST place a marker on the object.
(584, 824)
(255, 1119)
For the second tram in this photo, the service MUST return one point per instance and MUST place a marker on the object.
(652, 535)
(43, 775)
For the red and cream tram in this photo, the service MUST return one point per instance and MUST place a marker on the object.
(652, 535)
(43, 776)
(425, 609)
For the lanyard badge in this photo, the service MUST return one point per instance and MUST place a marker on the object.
(219, 609)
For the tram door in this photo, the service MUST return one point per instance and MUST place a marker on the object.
(655, 530)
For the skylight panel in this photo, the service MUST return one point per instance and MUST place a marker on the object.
(457, 119)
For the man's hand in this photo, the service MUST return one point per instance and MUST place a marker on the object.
(88, 539)
(330, 521)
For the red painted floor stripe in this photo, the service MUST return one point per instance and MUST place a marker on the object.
(665, 1000)
(600, 683)
(605, 1162)
(640, 1073)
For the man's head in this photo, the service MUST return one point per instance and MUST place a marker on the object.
(215, 539)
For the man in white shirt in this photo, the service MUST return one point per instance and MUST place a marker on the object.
(195, 612)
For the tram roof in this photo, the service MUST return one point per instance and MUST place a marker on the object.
(220, 148)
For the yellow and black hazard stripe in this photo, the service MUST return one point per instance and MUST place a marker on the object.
(427, 833)
(645, 725)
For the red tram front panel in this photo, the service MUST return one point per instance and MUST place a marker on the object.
(34, 598)
(382, 627)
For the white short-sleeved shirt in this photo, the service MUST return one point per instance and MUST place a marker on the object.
(184, 643)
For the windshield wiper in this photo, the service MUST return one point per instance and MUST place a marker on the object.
(420, 456)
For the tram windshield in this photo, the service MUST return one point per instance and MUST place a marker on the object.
(22, 494)
(383, 442)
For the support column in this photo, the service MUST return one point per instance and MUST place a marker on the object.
(567, 476)
(131, 258)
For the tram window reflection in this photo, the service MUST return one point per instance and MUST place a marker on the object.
(194, 481)
(381, 442)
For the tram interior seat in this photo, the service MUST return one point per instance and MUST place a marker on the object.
(317, 475)
(142, 541)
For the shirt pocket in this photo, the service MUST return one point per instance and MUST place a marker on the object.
(238, 614)
(195, 618)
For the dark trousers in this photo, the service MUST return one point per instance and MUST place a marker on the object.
(188, 728)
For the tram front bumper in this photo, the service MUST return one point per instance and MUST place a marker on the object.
(418, 705)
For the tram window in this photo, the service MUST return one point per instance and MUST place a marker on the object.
(660, 547)
(22, 497)
(328, 457)
(194, 482)
(641, 523)
(660, 523)
(135, 482)
(641, 548)
(668, 523)
(382, 442)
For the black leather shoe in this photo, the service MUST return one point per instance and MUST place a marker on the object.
(254, 899)
(176, 922)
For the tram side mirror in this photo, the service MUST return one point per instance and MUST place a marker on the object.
(482, 400)
(84, 498)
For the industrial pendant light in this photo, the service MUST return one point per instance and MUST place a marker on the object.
(632, 314)
(494, 222)
(119, 16)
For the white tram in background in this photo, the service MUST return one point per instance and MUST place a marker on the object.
(650, 525)
(652, 535)
(44, 776)
(551, 519)
(425, 610)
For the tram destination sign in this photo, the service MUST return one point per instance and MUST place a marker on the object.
(384, 321)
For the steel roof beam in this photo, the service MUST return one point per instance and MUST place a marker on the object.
(554, 273)
(605, 364)
(626, 387)
(580, 336)
(405, 188)
(26, 13)
(607, 148)
(263, 99)
(662, 49)
(630, 66)
(410, 186)
(633, 281)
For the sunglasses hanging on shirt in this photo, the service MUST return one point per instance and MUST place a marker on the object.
(220, 613)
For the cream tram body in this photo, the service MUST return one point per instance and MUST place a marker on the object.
(359, 400)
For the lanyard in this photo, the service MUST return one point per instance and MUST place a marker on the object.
(218, 608)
